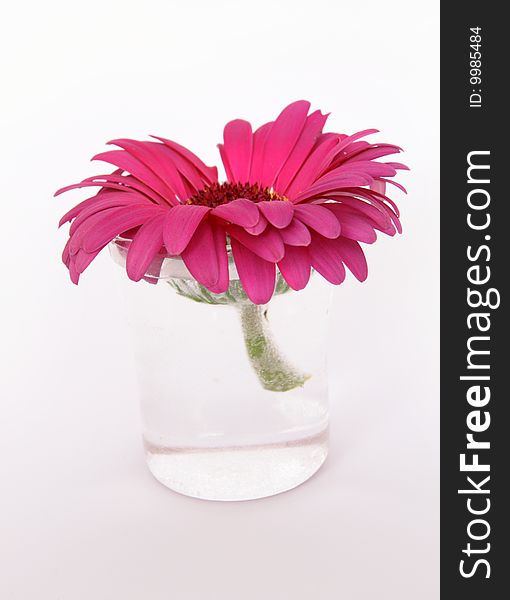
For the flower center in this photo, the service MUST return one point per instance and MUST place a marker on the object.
(216, 194)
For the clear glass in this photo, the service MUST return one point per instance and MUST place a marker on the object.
(234, 396)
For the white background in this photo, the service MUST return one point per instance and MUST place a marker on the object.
(80, 517)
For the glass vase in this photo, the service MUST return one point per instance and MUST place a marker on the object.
(234, 396)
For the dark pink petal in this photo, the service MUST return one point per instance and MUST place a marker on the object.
(282, 139)
(76, 210)
(210, 173)
(257, 159)
(200, 256)
(295, 267)
(90, 223)
(66, 255)
(354, 226)
(319, 218)
(268, 245)
(375, 214)
(153, 272)
(337, 184)
(104, 185)
(279, 213)
(241, 212)
(259, 227)
(123, 160)
(378, 186)
(144, 247)
(122, 183)
(398, 166)
(325, 259)
(374, 197)
(162, 166)
(180, 225)
(309, 172)
(128, 183)
(338, 137)
(237, 137)
(353, 256)
(108, 200)
(296, 234)
(195, 177)
(76, 239)
(313, 127)
(219, 238)
(114, 222)
(396, 184)
(151, 280)
(352, 150)
(382, 202)
(377, 151)
(190, 190)
(83, 259)
(373, 169)
(73, 273)
(343, 146)
(256, 275)
(226, 164)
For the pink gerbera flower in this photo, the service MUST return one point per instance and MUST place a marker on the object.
(295, 199)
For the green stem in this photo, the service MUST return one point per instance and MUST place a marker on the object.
(272, 369)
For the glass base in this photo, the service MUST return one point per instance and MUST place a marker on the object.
(237, 473)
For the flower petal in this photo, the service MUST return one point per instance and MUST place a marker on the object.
(268, 245)
(310, 170)
(241, 212)
(162, 166)
(353, 256)
(282, 139)
(375, 214)
(83, 259)
(257, 159)
(311, 130)
(343, 147)
(73, 273)
(219, 238)
(112, 223)
(145, 245)
(279, 213)
(396, 184)
(97, 200)
(127, 162)
(373, 169)
(296, 234)
(354, 226)
(380, 201)
(336, 184)
(237, 137)
(325, 259)
(319, 218)
(105, 201)
(226, 164)
(256, 275)
(66, 255)
(209, 173)
(200, 256)
(259, 227)
(375, 151)
(180, 225)
(188, 170)
(295, 267)
(378, 186)
(76, 239)
(114, 181)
